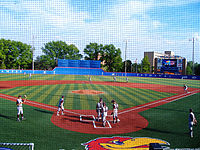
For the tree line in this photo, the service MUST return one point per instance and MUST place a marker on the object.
(18, 55)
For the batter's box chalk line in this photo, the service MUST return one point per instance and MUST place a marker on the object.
(93, 121)
(109, 126)
(87, 120)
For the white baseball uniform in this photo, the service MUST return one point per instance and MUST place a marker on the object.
(115, 110)
(19, 107)
(104, 114)
(99, 108)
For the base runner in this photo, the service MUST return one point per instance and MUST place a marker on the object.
(19, 103)
(115, 111)
(61, 106)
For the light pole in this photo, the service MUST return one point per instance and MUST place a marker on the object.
(193, 40)
(33, 55)
(125, 57)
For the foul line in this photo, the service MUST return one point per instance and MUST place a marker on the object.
(39, 104)
(177, 97)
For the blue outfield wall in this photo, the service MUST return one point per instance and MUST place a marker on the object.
(93, 71)
(79, 63)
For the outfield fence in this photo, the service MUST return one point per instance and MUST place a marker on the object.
(94, 71)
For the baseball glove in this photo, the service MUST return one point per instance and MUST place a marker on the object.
(195, 122)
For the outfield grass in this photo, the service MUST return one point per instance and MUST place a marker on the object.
(162, 81)
(50, 94)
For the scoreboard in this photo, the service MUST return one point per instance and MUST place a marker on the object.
(170, 66)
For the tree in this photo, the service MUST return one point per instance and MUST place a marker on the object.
(15, 55)
(92, 51)
(189, 68)
(145, 65)
(59, 50)
(112, 58)
(197, 69)
(128, 66)
(43, 63)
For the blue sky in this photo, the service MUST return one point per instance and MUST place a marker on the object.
(146, 25)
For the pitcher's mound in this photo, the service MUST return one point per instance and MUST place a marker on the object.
(88, 92)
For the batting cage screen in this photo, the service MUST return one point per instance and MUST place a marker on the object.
(16, 146)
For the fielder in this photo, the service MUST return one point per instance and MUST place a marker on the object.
(127, 79)
(115, 111)
(192, 121)
(185, 87)
(99, 107)
(61, 106)
(19, 103)
(104, 114)
(114, 78)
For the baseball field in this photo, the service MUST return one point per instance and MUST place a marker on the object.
(148, 107)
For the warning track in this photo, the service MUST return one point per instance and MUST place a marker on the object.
(130, 120)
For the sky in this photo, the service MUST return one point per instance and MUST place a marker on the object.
(145, 25)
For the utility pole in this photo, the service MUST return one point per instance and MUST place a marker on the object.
(193, 56)
(193, 40)
(33, 55)
(125, 57)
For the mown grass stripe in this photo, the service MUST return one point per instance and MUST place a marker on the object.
(133, 97)
(76, 99)
(137, 96)
(124, 96)
(106, 96)
(17, 91)
(92, 99)
(39, 91)
(84, 102)
(51, 94)
(57, 93)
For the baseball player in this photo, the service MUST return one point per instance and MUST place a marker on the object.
(115, 111)
(99, 107)
(61, 106)
(19, 103)
(185, 88)
(90, 78)
(114, 78)
(104, 114)
(192, 121)
(127, 79)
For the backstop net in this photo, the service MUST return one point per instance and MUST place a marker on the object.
(16, 146)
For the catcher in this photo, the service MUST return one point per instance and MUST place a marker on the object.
(19, 103)
(192, 122)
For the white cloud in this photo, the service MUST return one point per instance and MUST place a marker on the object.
(127, 20)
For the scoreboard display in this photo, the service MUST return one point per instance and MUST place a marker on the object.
(169, 62)
(169, 66)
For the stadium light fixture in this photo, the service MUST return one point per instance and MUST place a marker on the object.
(193, 42)
(33, 55)
(125, 56)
